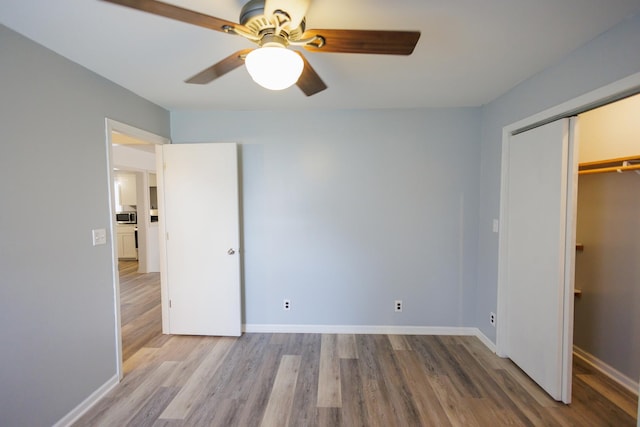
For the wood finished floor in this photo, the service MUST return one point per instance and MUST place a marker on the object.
(344, 380)
(334, 380)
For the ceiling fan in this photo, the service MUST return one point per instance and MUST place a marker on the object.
(274, 25)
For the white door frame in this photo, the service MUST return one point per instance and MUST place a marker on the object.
(601, 96)
(110, 127)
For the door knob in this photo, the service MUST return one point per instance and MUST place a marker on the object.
(231, 251)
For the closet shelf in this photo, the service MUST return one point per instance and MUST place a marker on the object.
(619, 164)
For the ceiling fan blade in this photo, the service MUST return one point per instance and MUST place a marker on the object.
(177, 13)
(219, 69)
(365, 41)
(310, 82)
(296, 9)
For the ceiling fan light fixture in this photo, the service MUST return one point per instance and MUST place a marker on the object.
(274, 67)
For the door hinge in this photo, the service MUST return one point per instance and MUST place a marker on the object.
(167, 235)
(164, 165)
(169, 303)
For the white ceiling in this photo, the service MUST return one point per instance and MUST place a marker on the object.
(470, 51)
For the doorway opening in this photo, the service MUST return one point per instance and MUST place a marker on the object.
(134, 238)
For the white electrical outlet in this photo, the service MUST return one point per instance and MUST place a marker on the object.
(286, 305)
(492, 319)
(398, 305)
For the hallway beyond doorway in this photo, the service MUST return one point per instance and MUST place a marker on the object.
(139, 309)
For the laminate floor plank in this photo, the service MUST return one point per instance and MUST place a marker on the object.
(138, 332)
(329, 417)
(329, 394)
(399, 342)
(347, 348)
(354, 410)
(189, 361)
(142, 356)
(292, 344)
(149, 413)
(242, 362)
(516, 395)
(473, 372)
(604, 411)
(621, 400)
(425, 348)
(278, 411)
(394, 381)
(487, 358)
(193, 390)
(220, 412)
(487, 413)
(489, 388)
(460, 378)
(428, 406)
(530, 386)
(261, 384)
(168, 423)
(124, 404)
(375, 390)
(453, 404)
(399, 392)
(140, 307)
(158, 341)
(303, 409)
(181, 347)
(145, 368)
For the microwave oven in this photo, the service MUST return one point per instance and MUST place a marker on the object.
(126, 218)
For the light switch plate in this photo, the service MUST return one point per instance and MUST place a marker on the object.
(99, 236)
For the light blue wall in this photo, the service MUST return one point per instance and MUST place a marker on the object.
(347, 211)
(57, 328)
(606, 59)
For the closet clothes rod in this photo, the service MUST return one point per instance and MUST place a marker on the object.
(609, 169)
(620, 164)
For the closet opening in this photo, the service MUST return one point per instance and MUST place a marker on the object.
(607, 267)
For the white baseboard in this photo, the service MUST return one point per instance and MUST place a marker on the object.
(83, 407)
(486, 341)
(607, 370)
(358, 329)
(370, 329)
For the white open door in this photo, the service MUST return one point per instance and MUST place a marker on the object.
(200, 218)
(537, 254)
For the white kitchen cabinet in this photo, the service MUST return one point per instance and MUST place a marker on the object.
(127, 188)
(126, 241)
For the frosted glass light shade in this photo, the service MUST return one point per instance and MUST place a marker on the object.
(274, 67)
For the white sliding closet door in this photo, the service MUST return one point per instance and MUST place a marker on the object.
(537, 253)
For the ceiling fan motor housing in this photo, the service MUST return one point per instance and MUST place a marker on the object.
(253, 17)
